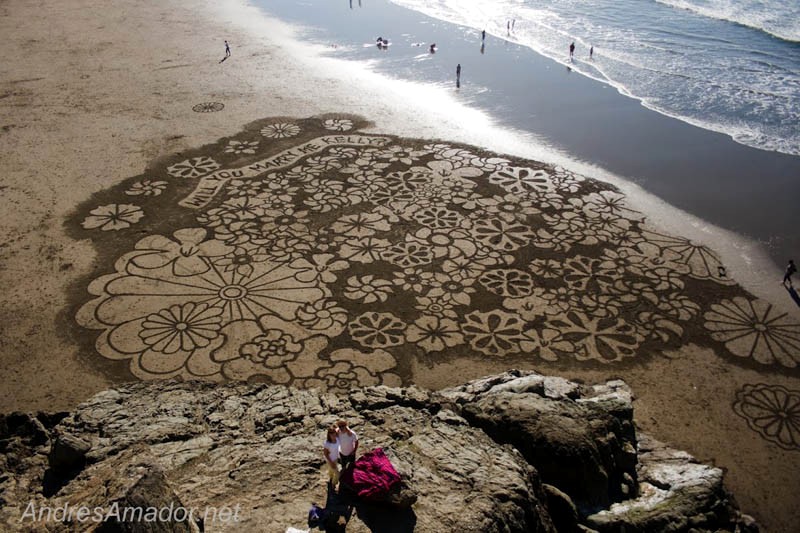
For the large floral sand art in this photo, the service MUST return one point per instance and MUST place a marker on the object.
(310, 253)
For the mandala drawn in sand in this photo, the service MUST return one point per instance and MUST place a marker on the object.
(772, 411)
(347, 257)
(208, 107)
(754, 328)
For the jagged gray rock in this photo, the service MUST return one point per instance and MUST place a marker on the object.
(580, 439)
(255, 451)
(67, 453)
(677, 493)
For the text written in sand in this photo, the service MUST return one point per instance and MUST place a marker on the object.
(210, 185)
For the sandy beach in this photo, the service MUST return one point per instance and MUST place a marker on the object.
(129, 104)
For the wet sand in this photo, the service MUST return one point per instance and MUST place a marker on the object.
(89, 101)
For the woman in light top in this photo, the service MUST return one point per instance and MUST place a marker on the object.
(330, 451)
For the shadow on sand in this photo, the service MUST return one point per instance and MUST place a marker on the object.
(793, 293)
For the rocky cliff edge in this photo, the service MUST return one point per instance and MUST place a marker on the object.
(516, 452)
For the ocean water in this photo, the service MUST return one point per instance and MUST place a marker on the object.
(730, 66)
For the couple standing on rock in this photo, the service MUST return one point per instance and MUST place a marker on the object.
(340, 446)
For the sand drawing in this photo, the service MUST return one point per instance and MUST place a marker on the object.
(311, 254)
(208, 107)
(772, 411)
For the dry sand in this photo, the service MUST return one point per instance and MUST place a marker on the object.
(97, 93)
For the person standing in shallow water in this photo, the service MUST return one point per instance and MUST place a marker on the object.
(458, 74)
(330, 451)
(572, 49)
(227, 49)
(790, 269)
(483, 35)
(591, 52)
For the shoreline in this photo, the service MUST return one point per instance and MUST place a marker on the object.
(749, 262)
(89, 109)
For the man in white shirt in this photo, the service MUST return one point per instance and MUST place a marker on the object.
(348, 444)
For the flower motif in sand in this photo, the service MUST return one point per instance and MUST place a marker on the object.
(547, 344)
(319, 267)
(280, 130)
(285, 220)
(368, 289)
(322, 315)
(241, 147)
(147, 188)
(565, 181)
(411, 279)
(408, 254)
(772, 411)
(241, 259)
(186, 253)
(609, 203)
(445, 242)
(273, 349)
(377, 330)
(208, 107)
(582, 272)
(501, 235)
(337, 124)
(546, 268)
(352, 368)
(128, 300)
(441, 306)
(605, 340)
(399, 154)
(755, 329)
(463, 268)
(193, 168)
(438, 217)
(508, 282)
(113, 217)
(509, 206)
(521, 180)
(493, 333)
(702, 262)
(361, 224)
(325, 201)
(181, 327)
(434, 334)
(363, 250)
(442, 171)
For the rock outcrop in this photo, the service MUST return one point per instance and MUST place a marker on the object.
(517, 452)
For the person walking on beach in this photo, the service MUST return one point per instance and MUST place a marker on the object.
(227, 49)
(330, 451)
(348, 444)
(790, 269)
(572, 49)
